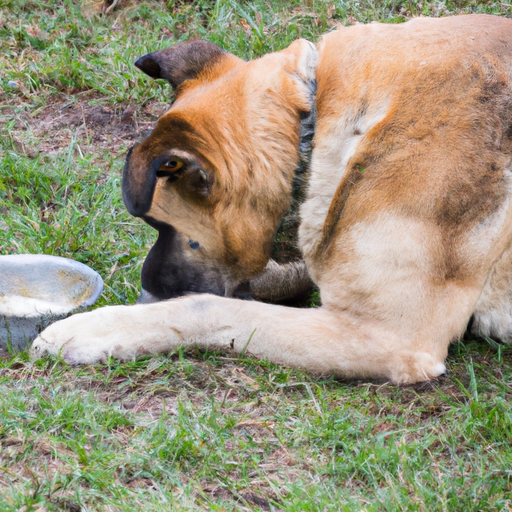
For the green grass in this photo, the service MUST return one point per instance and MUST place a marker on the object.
(200, 431)
(209, 432)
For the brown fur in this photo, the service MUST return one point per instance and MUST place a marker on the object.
(242, 223)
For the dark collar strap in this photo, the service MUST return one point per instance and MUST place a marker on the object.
(307, 132)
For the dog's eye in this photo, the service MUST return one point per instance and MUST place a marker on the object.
(171, 169)
(172, 165)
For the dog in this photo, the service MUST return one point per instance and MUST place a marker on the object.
(406, 219)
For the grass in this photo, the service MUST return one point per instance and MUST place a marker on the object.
(209, 432)
(201, 430)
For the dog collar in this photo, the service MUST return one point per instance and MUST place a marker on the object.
(285, 241)
(307, 132)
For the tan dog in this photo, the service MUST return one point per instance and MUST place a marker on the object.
(407, 222)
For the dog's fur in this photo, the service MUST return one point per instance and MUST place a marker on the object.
(407, 224)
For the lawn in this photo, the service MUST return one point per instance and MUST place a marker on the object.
(200, 430)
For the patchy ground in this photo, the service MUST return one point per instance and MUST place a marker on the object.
(88, 121)
(218, 429)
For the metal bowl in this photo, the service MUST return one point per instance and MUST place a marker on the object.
(36, 290)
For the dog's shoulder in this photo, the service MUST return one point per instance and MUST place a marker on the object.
(408, 111)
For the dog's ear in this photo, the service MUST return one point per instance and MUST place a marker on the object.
(181, 62)
(305, 57)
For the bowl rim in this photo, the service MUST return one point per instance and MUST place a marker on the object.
(60, 261)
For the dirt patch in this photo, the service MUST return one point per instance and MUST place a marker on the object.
(83, 121)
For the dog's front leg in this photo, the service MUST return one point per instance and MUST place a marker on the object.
(207, 321)
(125, 332)
(316, 340)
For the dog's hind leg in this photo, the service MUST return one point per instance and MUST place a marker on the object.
(316, 340)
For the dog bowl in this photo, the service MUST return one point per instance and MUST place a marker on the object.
(36, 290)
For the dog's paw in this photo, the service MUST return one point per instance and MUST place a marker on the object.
(416, 367)
(87, 338)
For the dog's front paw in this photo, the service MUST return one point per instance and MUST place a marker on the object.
(86, 338)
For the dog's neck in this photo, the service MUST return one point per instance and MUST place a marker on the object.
(285, 241)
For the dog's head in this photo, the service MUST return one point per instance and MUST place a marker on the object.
(220, 163)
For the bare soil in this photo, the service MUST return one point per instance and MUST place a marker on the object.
(84, 119)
